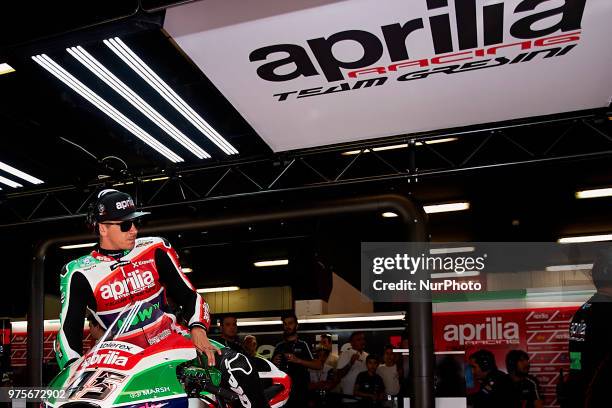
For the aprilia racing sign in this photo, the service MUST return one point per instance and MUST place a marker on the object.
(379, 68)
(393, 41)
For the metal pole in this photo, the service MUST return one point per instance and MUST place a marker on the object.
(36, 317)
(416, 230)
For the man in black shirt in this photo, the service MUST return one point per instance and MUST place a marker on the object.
(369, 386)
(495, 385)
(526, 388)
(293, 356)
(590, 344)
(229, 333)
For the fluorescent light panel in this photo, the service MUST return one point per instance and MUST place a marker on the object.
(20, 174)
(187, 270)
(449, 207)
(146, 73)
(389, 215)
(374, 318)
(135, 100)
(76, 246)
(456, 250)
(561, 268)
(76, 85)
(339, 319)
(595, 193)
(219, 289)
(399, 146)
(9, 183)
(6, 68)
(585, 238)
(278, 262)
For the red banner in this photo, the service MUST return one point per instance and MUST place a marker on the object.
(542, 333)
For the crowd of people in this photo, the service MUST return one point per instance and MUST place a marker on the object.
(356, 378)
(495, 388)
(320, 377)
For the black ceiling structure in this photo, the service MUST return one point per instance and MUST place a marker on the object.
(582, 136)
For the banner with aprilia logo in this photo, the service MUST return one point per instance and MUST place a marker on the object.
(361, 69)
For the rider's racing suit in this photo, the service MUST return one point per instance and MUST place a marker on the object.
(105, 282)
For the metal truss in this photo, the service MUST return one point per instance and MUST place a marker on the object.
(569, 138)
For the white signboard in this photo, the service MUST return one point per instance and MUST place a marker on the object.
(341, 71)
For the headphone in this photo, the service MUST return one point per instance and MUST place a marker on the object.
(485, 360)
(91, 219)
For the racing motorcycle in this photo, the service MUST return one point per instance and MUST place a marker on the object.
(157, 366)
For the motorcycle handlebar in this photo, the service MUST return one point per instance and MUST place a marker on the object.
(225, 394)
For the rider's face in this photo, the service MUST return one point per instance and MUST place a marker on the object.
(111, 236)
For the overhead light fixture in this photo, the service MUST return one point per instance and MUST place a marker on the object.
(186, 270)
(595, 193)
(443, 275)
(437, 141)
(9, 183)
(220, 289)
(18, 173)
(585, 238)
(277, 262)
(6, 68)
(449, 207)
(399, 146)
(76, 246)
(456, 250)
(389, 215)
(145, 72)
(562, 268)
(375, 317)
(60, 73)
(155, 179)
(341, 319)
(99, 70)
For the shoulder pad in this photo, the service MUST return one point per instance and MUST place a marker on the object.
(79, 263)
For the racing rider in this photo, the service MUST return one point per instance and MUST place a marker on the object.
(122, 270)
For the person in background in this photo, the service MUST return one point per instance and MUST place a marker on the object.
(590, 344)
(351, 363)
(389, 373)
(293, 356)
(526, 388)
(95, 330)
(495, 385)
(326, 343)
(249, 345)
(229, 333)
(321, 381)
(403, 366)
(369, 386)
